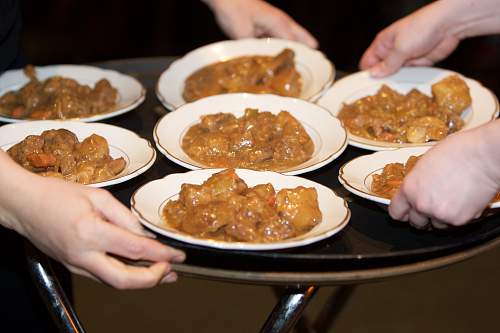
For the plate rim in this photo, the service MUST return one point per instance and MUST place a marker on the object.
(110, 182)
(313, 98)
(374, 145)
(97, 117)
(326, 160)
(366, 193)
(241, 246)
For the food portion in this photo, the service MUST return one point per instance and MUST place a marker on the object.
(252, 74)
(225, 208)
(257, 140)
(412, 118)
(59, 154)
(57, 98)
(388, 182)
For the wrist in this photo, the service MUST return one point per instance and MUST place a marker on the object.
(468, 18)
(488, 153)
(18, 186)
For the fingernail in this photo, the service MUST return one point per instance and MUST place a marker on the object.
(178, 258)
(170, 277)
(376, 72)
(148, 234)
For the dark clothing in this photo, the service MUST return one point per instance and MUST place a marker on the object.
(10, 34)
(21, 308)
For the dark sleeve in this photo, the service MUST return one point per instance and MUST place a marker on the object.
(10, 34)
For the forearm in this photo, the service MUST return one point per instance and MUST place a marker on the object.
(466, 18)
(14, 183)
(488, 152)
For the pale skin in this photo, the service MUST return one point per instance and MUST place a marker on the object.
(86, 229)
(463, 168)
(256, 18)
(82, 227)
(453, 182)
(430, 34)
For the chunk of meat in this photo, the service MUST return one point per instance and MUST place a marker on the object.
(299, 207)
(452, 93)
(224, 208)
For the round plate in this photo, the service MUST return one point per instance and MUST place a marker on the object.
(327, 133)
(137, 152)
(316, 70)
(356, 175)
(484, 103)
(131, 93)
(148, 202)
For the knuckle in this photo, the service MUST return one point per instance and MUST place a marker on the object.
(421, 205)
(84, 230)
(135, 250)
(101, 195)
(121, 282)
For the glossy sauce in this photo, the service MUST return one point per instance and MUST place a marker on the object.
(257, 140)
(252, 74)
(57, 98)
(225, 208)
(412, 118)
(58, 153)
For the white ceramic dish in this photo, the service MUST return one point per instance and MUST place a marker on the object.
(137, 152)
(316, 70)
(148, 202)
(131, 93)
(327, 133)
(356, 175)
(346, 90)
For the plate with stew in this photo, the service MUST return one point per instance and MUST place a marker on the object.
(93, 154)
(253, 131)
(67, 92)
(266, 65)
(377, 176)
(417, 106)
(240, 209)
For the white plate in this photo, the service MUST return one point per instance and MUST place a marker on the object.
(356, 175)
(131, 93)
(346, 90)
(148, 202)
(327, 133)
(137, 152)
(316, 70)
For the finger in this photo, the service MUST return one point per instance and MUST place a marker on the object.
(419, 62)
(378, 50)
(119, 275)
(399, 207)
(169, 278)
(76, 270)
(120, 242)
(369, 58)
(390, 65)
(304, 36)
(439, 224)
(418, 220)
(113, 211)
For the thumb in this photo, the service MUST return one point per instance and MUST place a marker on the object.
(391, 64)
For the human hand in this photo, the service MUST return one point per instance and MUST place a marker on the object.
(452, 183)
(419, 39)
(256, 18)
(86, 229)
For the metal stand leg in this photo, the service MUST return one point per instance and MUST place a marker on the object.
(331, 310)
(51, 292)
(288, 310)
